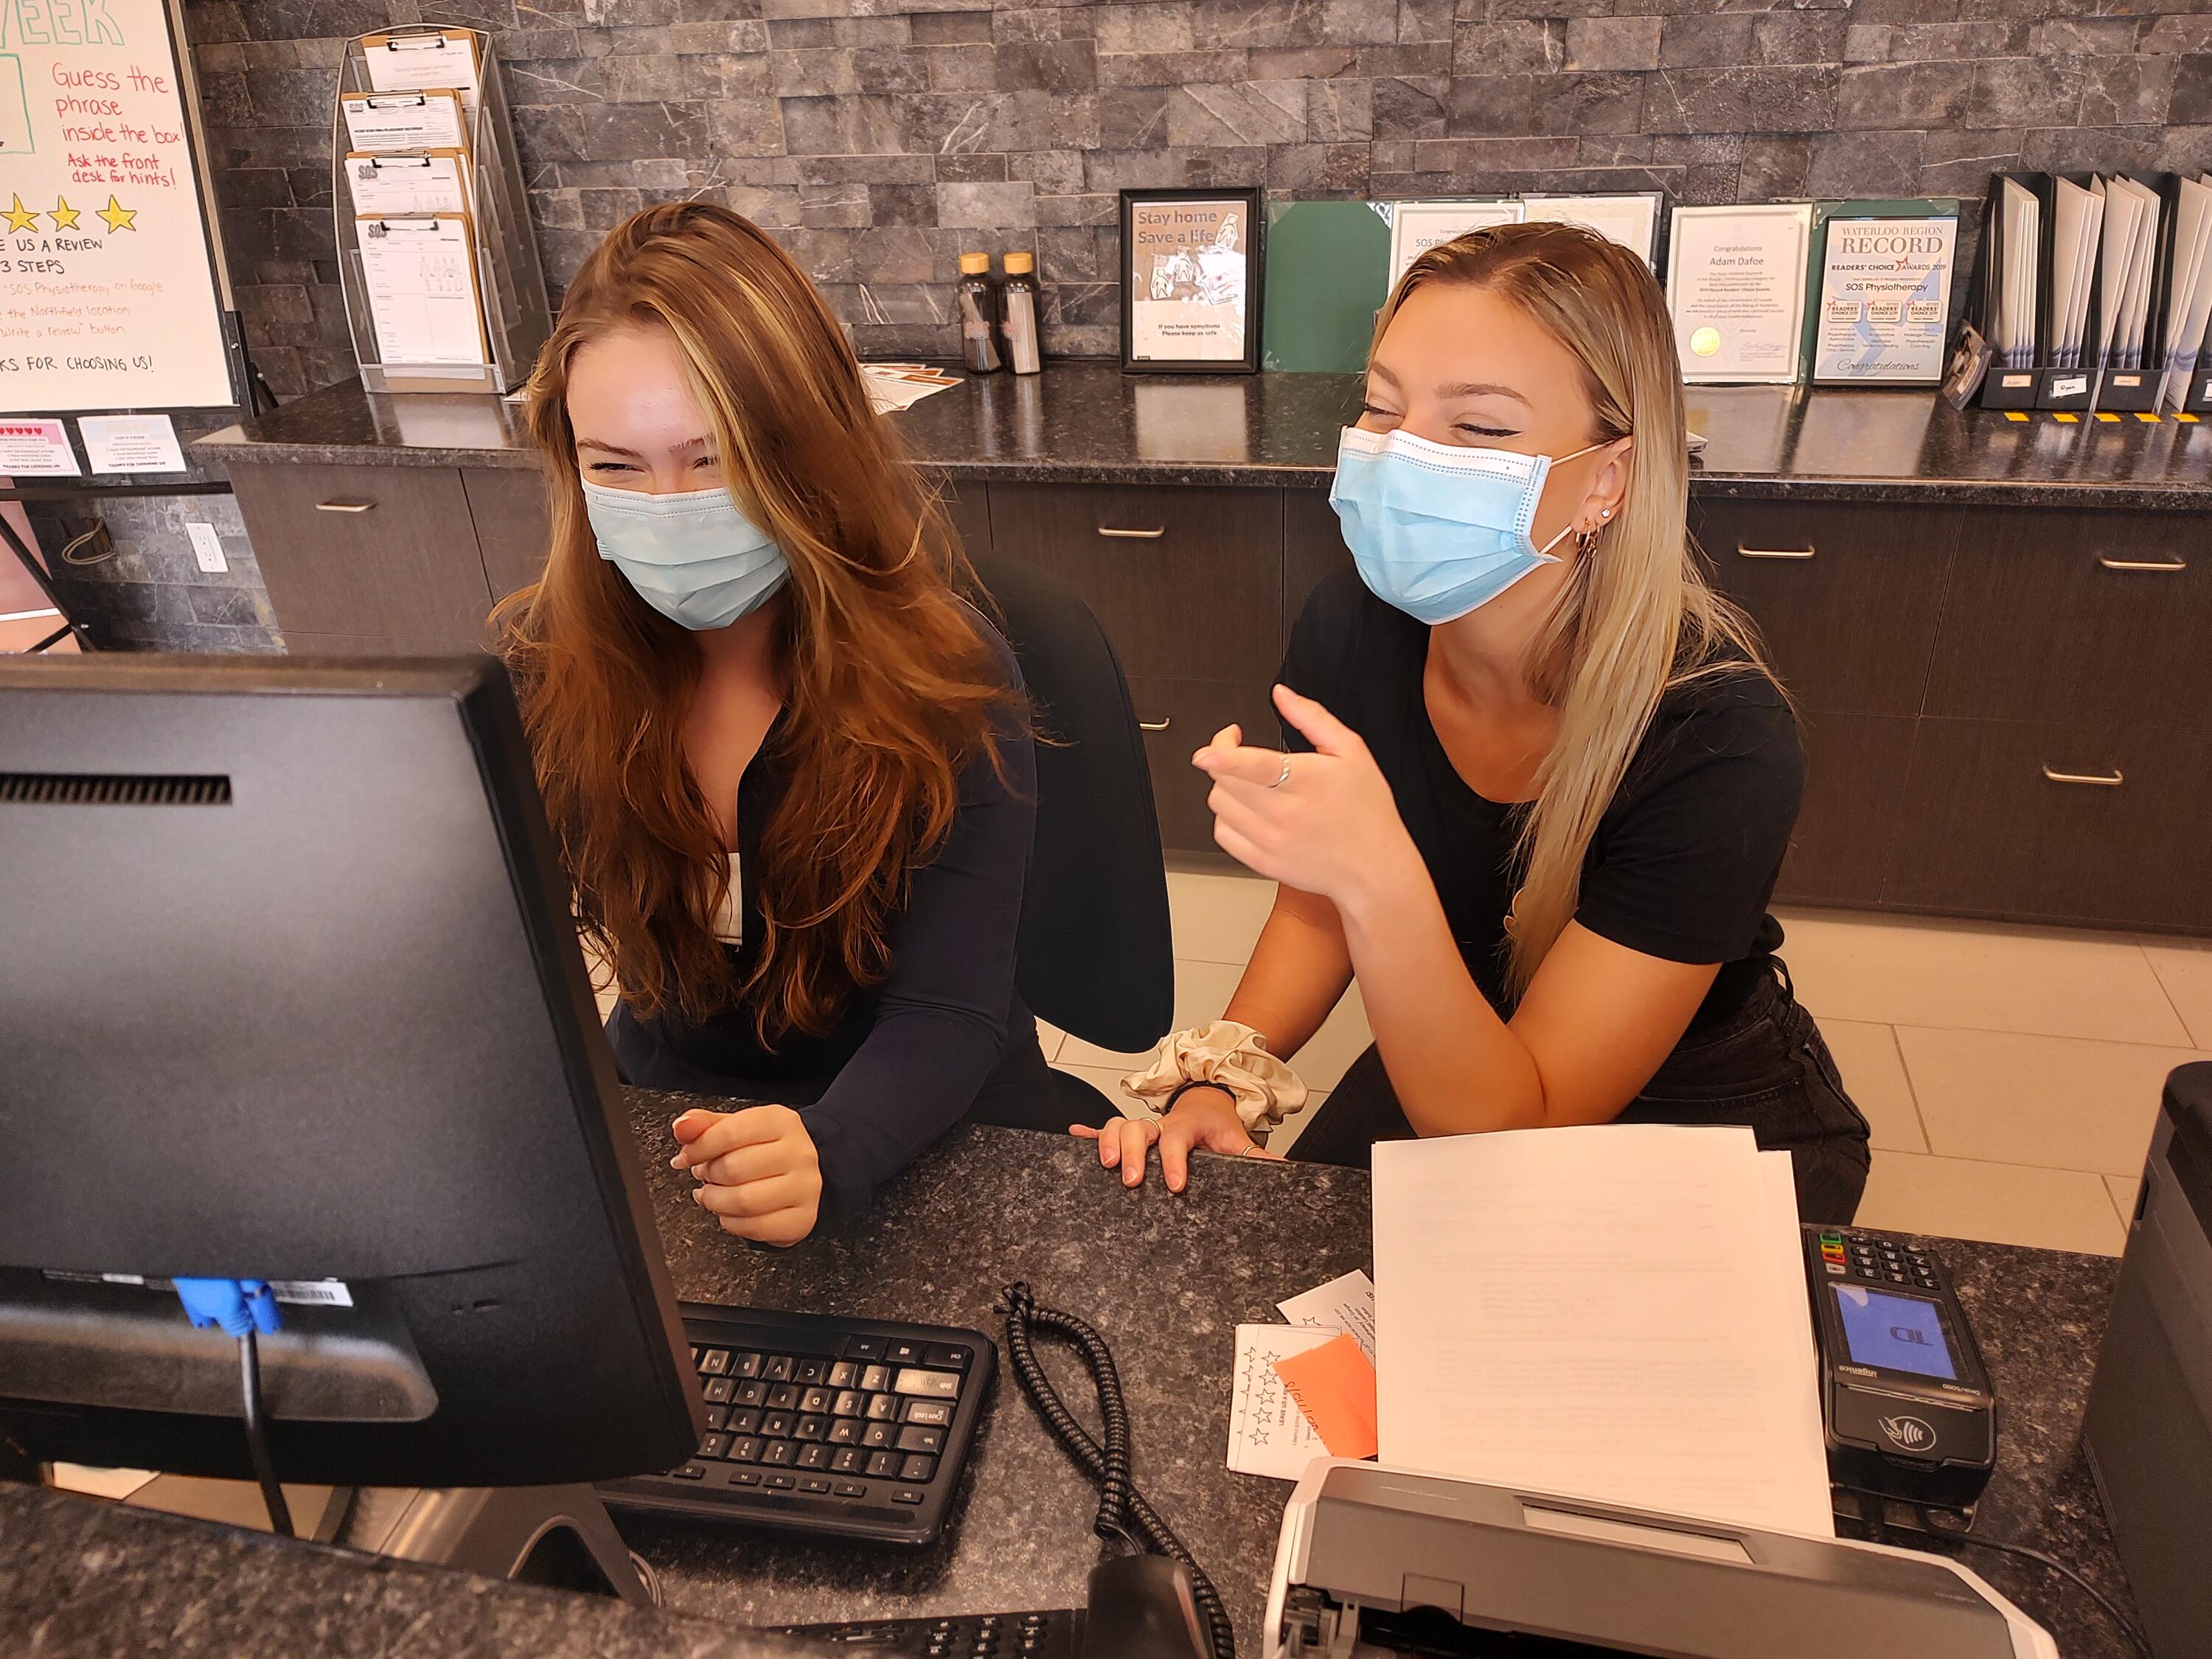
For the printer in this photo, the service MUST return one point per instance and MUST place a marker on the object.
(2148, 1430)
(1374, 1562)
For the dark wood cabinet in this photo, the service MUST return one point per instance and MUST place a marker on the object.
(1313, 547)
(970, 512)
(1963, 674)
(515, 525)
(2094, 822)
(2078, 615)
(1179, 715)
(1847, 597)
(382, 551)
(1854, 775)
(1187, 581)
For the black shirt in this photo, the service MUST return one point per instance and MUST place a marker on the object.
(1685, 858)
(905, 1060)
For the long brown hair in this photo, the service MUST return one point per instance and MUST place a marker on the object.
(1636, 616)
(890, 687)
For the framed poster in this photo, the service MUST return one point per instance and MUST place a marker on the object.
(1416, 227)
(1735, 284)
(1190, 281)
(1879, 306)
(111, 289)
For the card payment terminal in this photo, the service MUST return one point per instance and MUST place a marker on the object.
(1904, 1397)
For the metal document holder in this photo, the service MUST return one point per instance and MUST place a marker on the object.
(510, 282)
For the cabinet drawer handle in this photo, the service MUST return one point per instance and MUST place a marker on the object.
(1155, 726)
(344, 507)
(2102, 780)
(1772, 552)
(1132, 535)
(2169, 567)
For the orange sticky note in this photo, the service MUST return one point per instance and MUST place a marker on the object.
(1334, 1387)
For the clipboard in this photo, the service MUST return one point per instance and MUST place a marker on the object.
(383, 121)
(420, 274)
(421, 60)
(408, 183)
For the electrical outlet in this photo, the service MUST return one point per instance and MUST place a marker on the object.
(207, 548)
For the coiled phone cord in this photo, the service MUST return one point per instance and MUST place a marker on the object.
(1122, 1511)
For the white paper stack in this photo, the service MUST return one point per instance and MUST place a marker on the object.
(2189, 296)
(1615, 1313)
(2013, 343)
(2129, 246)
(2078, 215)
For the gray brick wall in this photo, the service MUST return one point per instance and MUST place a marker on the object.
(879, 139)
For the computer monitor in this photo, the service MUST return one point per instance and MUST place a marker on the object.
(290, 989)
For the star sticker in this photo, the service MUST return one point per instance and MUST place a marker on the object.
(62, 215)
(22, 218)
(119, 216)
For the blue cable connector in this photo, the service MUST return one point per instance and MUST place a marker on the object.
(238, 1305)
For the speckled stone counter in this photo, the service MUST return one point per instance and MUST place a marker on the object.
(1084, 422)
(1165, 1279)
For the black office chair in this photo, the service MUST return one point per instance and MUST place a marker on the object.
(1095, 957)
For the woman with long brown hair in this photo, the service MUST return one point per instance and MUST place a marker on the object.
(787, 765)
(1536, 783)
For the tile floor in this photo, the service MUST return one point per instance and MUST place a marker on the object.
(2011, 1074)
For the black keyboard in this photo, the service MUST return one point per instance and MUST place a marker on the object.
(848, 1427)
(1052, 1635)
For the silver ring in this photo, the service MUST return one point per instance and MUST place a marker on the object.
(1282, 776)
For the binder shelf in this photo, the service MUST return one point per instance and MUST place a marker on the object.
(443, 290)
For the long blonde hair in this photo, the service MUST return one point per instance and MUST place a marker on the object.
(1637, 616)
(891, 685)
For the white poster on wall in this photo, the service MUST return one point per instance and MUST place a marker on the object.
(107, 297)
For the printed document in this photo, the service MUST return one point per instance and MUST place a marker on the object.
(1616, 1313)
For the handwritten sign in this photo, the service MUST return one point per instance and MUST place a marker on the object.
(107, 296)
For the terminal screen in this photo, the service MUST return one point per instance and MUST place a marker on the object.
(1896, 1333)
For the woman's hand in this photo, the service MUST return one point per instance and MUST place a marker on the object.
(1203, 1117)
(1330, 827)
(757, 1171)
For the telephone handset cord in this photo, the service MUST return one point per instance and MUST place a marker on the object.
(1122, 1511)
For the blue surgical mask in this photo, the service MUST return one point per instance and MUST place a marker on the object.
(692, 556)
(1438, 530)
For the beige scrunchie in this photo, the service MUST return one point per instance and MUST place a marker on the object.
(1235, 1056)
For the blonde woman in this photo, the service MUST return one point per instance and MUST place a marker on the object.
(1538, 781)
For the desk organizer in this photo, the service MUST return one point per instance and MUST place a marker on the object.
(510, 282)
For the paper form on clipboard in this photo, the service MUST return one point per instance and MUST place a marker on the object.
(420, 277)
(418, 59)
(434, 181)
(386, 121)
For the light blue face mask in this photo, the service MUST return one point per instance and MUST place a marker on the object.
(1438, 530)
(691, 557)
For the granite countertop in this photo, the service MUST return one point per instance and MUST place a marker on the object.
(1165, 1279)
(1085, 422)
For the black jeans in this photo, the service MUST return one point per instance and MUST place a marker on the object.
(1766, 1068)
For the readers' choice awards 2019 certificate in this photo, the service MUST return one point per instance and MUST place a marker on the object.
(1885, 298)
(1735, 282)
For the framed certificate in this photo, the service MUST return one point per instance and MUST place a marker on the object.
(1190, 281)
(1631, 220)
(1416, 227)
(1735, 284)
(1881, 292)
